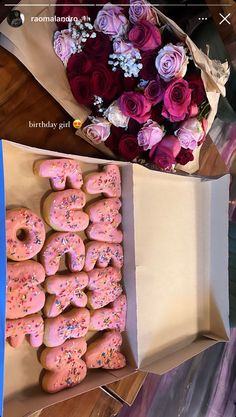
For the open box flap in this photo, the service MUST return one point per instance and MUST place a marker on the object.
(181, 255)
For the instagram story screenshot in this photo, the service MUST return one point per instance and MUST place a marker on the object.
(118, 208)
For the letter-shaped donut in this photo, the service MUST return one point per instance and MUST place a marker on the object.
(70, 325)
(101, 254)
(59, 244)
(62, 212)
(104, 233)
(105, 211)
(107, 182)
(16, 330)
(63, 365)
(31, 234)
(24, 296)
(60, 172)
(65, 289)
(105, 352)
(110, 318)
(104, 285)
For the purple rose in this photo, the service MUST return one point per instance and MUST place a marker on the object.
(164, 153)
(190, 133)
(111, 20)
(141, 10)
(98, 131)
(135, 105)
(177, 101)
(145, 36)
(150, 134)
(171, 62)
(122, 47)
(154, 91)
(64, 45)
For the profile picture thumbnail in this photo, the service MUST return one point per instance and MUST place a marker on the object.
(15, 18)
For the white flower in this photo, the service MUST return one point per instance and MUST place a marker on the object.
(115, 116)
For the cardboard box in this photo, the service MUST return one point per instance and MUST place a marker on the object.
(175, 271)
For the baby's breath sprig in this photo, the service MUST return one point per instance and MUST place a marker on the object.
(129, 63)
(81, 30)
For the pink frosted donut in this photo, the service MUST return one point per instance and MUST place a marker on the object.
(62, 212)
(63, 365)
(60, 172)
(65, 289)
(107, 182)
(59, 244)
(24, 295)
(104, 233)
(105, 352)
(105, 286)
(70, 325)
(105, 211)
(101, 254)
(32, 234)
(31, 326)
(110, 318)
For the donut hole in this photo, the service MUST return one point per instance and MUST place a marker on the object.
(22, 234)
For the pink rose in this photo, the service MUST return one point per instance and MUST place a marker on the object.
(154, 91)
(111, 20)
(190, 133)
(64, 45)
(141, 10)
(98, 131)
(135, 105)
(150, 134)
(177, 101)
(171, 62)
(122, 47)
(164, 153)
(145, 36)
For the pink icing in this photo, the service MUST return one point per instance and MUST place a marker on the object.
(16, 330)
(62, 211)
(22, 219)
(104, 233)
(65, 289)
(105, 211)
(105, 352)
(103, 277)
(110, 318)
(24, 296)
(64, 366)
(107, 182)
(60, 172)
(101, 254)
(104, 285)
(59, 244)
(72, 324)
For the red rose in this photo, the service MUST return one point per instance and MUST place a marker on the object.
(177, 101)
(113, 141)
(145, 36)
(164, 153)
(197, 87)
(72, 11)
(154, 91)
(185, 156)
(80, 87)
(79, 64)
(148, 72)
(135, 105)
(156, 114)
(129, 148)
(99, 47)
(105, 83)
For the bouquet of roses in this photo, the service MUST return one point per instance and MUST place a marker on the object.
(146, 96)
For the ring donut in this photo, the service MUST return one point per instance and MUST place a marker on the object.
(25, 234)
